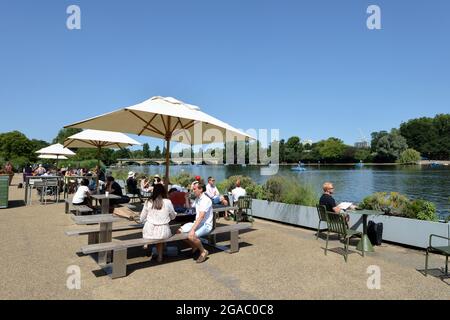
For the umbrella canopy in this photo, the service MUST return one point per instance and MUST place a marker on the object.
(163, 117)
(52, 156)
(99, 139)
(56, 150)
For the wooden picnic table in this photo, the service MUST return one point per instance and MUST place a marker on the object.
(105, 200)
(105, 234)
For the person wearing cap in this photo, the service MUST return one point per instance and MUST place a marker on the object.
(132, 183)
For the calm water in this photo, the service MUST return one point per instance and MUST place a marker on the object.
(351, 183)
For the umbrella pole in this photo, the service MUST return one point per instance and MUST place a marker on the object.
(166, 182)
(98, 168)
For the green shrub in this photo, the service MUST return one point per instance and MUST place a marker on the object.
(290, 191)
(422, 210)
(183, 179)
(409, 156)
(274, 188)
(399, 205)
(253, 190)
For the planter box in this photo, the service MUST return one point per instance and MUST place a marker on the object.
(404, 231)
(4, 189)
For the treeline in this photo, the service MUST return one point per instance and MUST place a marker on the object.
(416, 138)
(16, 148)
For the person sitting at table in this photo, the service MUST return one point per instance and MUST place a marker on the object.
(132, 183)
(213, 193)
(158, 211)
(82, 196)
(238, 192)
(114, 188)
(328, 201)
(40, 170)
(180, 200)
(145, 185)
(203, 223)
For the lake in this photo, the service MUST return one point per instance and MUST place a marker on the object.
(351, 183)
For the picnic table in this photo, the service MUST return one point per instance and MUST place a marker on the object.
(105, 234)
(105, 200)
(77, 180)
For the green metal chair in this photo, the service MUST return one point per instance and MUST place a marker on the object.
(245, 204)
(322, 212)
(336, 224)
(443, 250)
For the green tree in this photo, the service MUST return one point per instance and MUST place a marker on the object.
(64, 133)
(15, 144)
(331, 149)
(376, 136)
(409, 156)
(157, 152)
(146, 151)
(293, 149)
(390, 146)
(362, 154)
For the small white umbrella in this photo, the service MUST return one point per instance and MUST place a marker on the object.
(56, 150)
(99, 139)
(161, 117)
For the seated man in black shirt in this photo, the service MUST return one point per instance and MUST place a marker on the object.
(328, 201)
(132, 183)
(114, 188)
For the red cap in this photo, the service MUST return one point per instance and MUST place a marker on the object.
(198, 178)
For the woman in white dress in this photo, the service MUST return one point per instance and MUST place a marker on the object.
(158, 211)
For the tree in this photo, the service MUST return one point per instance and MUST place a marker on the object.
(331, 149)
(293, 149)
(409, 156)
(157, 152)
(362, 154)
(429, 136)
(376, 136)
(146, 151)
(15, 144)
(64, 133)
(390, 146)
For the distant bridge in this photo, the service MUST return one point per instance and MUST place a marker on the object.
(159, 161)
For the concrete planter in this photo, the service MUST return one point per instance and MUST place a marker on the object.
(404, 231)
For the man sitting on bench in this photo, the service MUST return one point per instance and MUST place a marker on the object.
(203, 223)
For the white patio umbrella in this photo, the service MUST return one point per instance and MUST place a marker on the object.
(56, 150)
(99, 139)
(162, 117)
(49, 156)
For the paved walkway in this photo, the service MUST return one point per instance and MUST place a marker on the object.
(275, 262)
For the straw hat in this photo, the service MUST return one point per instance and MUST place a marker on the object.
(131, 174)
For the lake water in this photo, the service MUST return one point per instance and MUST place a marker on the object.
(351, 183)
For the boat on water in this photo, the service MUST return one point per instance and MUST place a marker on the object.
(299, 167)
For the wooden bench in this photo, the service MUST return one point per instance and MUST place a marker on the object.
(93, 232)
(79, 210)
(119, 249)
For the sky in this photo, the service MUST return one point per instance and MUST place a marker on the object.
(308, 68)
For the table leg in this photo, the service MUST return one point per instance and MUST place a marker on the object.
(105, 206)
(105, 235)
(364, 243)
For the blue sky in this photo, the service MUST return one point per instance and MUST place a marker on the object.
(308, 68)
